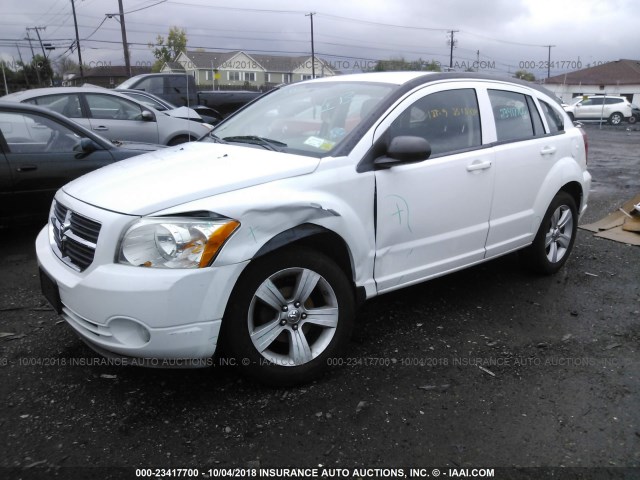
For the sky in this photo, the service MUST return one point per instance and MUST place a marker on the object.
(493, 36)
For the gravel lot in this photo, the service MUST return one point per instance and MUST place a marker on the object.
(490, 367)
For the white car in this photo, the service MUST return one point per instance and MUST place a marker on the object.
(113, 115)
(264, 237)
(612, 109)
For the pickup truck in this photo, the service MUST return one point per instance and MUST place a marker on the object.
(180, 89)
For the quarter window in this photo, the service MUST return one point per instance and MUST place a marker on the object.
(554, 119)
(448, 120)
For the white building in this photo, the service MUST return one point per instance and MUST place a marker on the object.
(621, 77)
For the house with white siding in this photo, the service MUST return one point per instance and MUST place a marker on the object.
(237, 69)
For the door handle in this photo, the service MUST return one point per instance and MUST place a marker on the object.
(478, 165)
(100, 128)
(27, 168)
(547, 150)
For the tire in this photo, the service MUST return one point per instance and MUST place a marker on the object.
(616, 118)
(290, 314)
(555, 238)
(178, 140)
(633, 119)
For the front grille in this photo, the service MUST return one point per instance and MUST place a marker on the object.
(74, 236)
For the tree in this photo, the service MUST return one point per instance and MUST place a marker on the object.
(524, 75)
(176, 42)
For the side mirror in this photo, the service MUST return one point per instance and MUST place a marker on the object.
(402, 150)
(147, 116)
(88, 146)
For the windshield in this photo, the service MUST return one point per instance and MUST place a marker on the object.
(310, 118)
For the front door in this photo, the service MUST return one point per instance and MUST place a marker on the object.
(433, 216)
(119, 119)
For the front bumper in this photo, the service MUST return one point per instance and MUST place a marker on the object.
(141, 313)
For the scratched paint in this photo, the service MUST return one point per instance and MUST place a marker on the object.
(400, 210)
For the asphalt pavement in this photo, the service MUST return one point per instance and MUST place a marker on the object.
(492, 367)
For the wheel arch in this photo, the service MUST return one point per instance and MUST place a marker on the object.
(320, 239)
(575, 190)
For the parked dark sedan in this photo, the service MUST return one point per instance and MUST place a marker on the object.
(40, 151)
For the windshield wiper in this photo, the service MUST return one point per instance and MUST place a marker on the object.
(212, 136)
(267, 143)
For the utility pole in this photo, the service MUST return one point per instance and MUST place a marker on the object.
(75, 21)
(549, 60)
(452, 42)
(313, 55)
(4, 76)
(35, 67)
(24, 71)
(127, 61)
(44, 55)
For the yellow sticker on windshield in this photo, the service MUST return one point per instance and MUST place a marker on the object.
(319, 143)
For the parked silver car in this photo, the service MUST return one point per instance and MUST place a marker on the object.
(113, 115)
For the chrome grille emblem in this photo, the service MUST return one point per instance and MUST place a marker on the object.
(62, 230)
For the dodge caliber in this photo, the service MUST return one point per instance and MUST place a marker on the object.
(261, 240)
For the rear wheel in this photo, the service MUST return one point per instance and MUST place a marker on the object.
(615, 118)
(556, 235)
(290, 315)
(633, 119)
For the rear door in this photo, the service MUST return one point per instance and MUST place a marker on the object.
(119, 119)
(524, 154)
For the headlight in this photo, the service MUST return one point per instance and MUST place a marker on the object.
(174, 242)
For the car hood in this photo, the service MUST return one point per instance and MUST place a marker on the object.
(165, 178)
(184, 112)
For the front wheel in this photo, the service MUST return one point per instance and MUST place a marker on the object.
(178, 140)
(615, 118)
(633, 119)
(556, 235)
(290, 315)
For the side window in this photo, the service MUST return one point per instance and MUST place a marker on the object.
(612, 101)
(30, 133)
(66, 104)
(177, 84)
(150, 84)
(146, 101)
(554, 118)
(511, 113)
(112, 108)
(448, 120)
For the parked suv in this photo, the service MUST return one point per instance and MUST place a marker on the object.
(264, 237)
(600, 107)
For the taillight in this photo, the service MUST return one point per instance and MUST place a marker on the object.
(586, 145)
